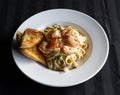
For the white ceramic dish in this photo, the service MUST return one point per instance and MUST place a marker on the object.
(76, 76)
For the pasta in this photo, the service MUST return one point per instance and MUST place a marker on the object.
(63, 46)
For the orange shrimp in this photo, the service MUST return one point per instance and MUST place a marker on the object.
(69, 50)
(47, 47)
(70, 36)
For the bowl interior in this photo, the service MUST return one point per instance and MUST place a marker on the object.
(100, 48)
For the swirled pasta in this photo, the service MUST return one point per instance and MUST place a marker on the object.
(64, 46)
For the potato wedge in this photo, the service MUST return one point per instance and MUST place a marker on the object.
(30, 38)
(34, 54)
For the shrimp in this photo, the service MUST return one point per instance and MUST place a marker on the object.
(47, 47)
(56, 34)
(70, 36)
(53, 44)
(69, 50)
(43, 48)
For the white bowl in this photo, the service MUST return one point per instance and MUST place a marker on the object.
(76, 76)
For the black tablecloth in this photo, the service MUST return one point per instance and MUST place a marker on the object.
(14, 12)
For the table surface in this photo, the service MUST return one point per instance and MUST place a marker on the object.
(14, 12)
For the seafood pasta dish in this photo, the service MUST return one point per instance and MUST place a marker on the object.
(60, 48)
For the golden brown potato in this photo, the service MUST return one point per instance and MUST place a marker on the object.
(27, 43)
(30, 38)
(33, 53)
(18, 37)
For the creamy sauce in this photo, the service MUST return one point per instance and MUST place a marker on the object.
(89, 45)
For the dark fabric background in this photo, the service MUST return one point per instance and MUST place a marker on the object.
(14, 12)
